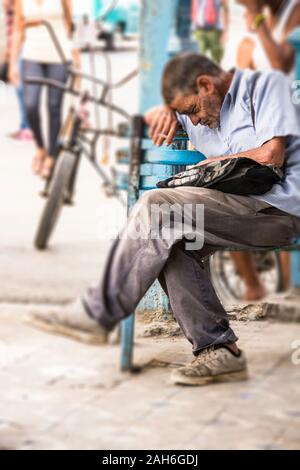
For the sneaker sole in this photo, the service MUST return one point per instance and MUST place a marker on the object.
(65, 331)
(240, 376)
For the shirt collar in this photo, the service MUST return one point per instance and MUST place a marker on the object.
(233, 89)
(231, 95)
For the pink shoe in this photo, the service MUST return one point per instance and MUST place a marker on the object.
(26, 135)
(22, 135)
(15, 135)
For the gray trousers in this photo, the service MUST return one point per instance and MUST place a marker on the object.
(135, 263)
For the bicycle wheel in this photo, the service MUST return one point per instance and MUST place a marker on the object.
(230, 286)
(57, 194)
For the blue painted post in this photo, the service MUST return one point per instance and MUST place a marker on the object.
(295, 41)
(155, 25)
(157, 19)
(296, 269)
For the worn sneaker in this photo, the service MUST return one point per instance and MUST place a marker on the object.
(212, 365)
(71, 321)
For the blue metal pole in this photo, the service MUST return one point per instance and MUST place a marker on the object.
(296, 269)
(295, 41)
(156, 19)
(157, 23)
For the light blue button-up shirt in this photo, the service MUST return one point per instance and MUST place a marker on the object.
(276, 116)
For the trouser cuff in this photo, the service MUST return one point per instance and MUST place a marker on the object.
(225, 338)
(101, 318)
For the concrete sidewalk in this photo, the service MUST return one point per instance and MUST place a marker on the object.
(59, 394)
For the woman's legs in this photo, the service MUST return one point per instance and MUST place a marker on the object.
(56, 72)
(255, 290)
(32, 98)
(201, 37)
(24, 124)
(285, 258)
(246, 268)
(215, 46)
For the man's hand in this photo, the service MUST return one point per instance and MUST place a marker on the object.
(272, 152)
(163, 125)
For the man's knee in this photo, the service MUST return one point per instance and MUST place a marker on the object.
(204, 196)
(154, 197)
(148, 202)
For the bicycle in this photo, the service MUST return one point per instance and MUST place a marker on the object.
(228, 283)
(76, 140)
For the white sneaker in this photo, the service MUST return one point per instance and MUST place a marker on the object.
(71, 321)
(212, 365)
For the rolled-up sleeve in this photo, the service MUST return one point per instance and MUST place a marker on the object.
(275, 113)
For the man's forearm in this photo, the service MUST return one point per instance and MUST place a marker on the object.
(268, 154)
(224, 157)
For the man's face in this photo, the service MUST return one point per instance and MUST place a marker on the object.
(202, 108)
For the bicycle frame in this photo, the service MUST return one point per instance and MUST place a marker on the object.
(74, 136)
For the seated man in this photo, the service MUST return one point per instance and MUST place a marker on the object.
(214, 108)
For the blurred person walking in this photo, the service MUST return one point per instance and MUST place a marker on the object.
(183, 25)
(41, 59)
(269, 24)
(23, 133)
(266, 47)
(211, 21)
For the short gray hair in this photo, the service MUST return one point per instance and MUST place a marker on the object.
(181, 73)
